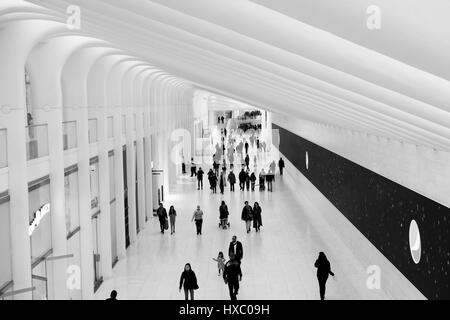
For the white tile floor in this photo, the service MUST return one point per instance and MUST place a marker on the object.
(278, 262)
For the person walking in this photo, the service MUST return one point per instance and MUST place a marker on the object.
(193, 168)
(162, 216)
(247, 180)
(220, 262)
(200, 178)
(183, 165)
(281, 166)
(247, 161)
(223, 215)
(257, 218)
(216, 167)
(188, 281)
(231, 180)
(269, 179)
(172, 217)
(242, 179)
(214, 183)
(236, 249)
(253, 180)
(323, 270)
(222, 182)
(247, 216)
(232, 275)
(198, 217)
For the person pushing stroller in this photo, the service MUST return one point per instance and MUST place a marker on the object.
(223, 215)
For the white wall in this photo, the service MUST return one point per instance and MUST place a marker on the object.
(421, 169)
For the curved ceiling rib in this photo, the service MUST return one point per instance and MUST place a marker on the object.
(298, 63)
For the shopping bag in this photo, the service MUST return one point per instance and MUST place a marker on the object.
(166, 225)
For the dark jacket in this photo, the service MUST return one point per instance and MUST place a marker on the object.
(223, 210)
(247, 213)
(232, 272)
(242, 176)
(281, 163)
(231, 178)
(323, 268)
(162, 213)
(239, 250)
(253, 177)
(257, 218)
(188, 280)
(200, 174)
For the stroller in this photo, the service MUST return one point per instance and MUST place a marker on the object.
(224, 224)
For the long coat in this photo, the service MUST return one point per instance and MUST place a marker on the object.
(247, 213)
(257, 218)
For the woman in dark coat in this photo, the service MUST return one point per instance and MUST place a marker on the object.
(257, 218)
(188, 281)
(323, 270)
(223, 215)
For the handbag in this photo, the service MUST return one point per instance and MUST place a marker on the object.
(196, 286)
(166, 224)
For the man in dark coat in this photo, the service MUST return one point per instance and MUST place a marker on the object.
(162, 216)
(242, 177)
(232, 275)
(231, 180)
(281, 166)
(247, 216)
(200, 178)
(236, 249)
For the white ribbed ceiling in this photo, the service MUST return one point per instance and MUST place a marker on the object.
(313, 59)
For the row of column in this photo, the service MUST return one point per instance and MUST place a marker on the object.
(77, 78)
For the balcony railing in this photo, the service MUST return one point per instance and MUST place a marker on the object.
(37, 141)
(3, 149)
(70, 135)
(92, 130)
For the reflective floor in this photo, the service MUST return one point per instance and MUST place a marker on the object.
(278, 262)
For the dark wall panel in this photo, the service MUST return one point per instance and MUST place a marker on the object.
(382, 210)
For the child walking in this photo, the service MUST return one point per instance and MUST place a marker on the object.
(220, 262)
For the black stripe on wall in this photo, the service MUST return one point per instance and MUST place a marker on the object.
(382, 210)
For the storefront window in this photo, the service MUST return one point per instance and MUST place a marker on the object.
(40, 232)
(3, 149)
(71, 201)
(72, 228)
(5, 244)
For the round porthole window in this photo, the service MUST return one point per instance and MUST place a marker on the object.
(307, 160)
(414, 241)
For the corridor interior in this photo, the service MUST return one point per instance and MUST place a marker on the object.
(278, 262)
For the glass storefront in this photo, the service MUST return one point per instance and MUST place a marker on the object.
(125, 195)
(40, 232)
(5, 245)
(112, 208)
(72, 227)
(95, 211)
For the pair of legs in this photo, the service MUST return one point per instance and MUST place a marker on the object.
(193, 171)
(281, 171)
(232, 187)
(172, 225)
(233, 286)
(161, 225)
(247, 184)
(214, 189)
(253, 186)
(322, 282)
(269, 186)
(248, 225)
(200, 184)
(242, 185)
(198, 224)
(187, 292)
